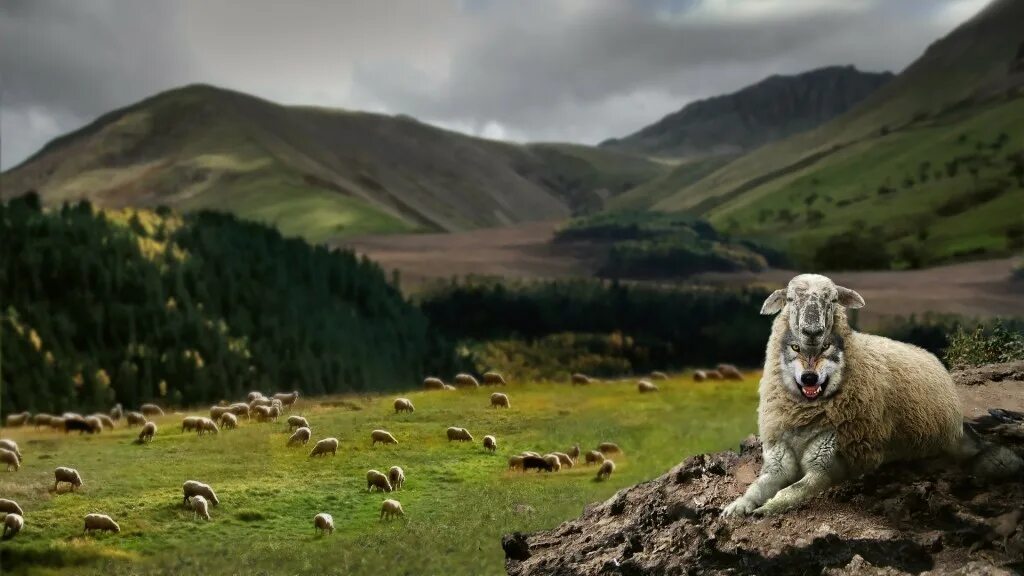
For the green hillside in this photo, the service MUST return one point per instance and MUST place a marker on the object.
(317, 172)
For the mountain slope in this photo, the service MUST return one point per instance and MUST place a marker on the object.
(316, 172)
(930, 167)
(772, 109)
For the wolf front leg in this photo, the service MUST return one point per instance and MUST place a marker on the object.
(822, 467)
(780, 469)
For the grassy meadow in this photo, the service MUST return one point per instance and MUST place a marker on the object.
(459, 499)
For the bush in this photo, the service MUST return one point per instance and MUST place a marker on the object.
(1004, 343)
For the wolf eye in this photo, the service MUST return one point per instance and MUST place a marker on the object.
(827, 347)
(794, 347)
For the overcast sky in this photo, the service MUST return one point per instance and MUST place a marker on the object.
(566, 70)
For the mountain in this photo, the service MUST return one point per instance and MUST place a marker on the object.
(772, 109)
(317, 172)
(928, 168)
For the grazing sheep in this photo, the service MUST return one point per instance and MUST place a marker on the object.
(273, 412)
(700, 375)
(713, 375)
(200, 508)
(645, 386)
(658, 375)
(95, 424)
(606, 469)
(261, 401)
(529, 453)
(105, 420)
(297, 422)
(574, 453)
(13, 523)
(397, 477)
(448, 387)
(324, 446)
(10, 507)
(554, 462)
(79, 424)
(465, 381)
(382, 436)
(287, 398)
(404, 405)
(433, 383)
(730, 372)
(460, 434)
(391, 508)
(228, 421)
(151, 410)
(254, 395)
(189, 423)
(897, 402)
(262, 413)
(18, 420)
(564, 459)
(217, 411)
(10, 459)
(56, 423)
(276, 402)
(490, 443)
(609, 448)
(499, 400)
(323, 522)
(515, 463)
(72, 415)
(42, 419)
(301, 436)
(594, 457)
(207, 426)
(493, 379)
(147, 433)
(12, 446)
(117, 412)
(135, 418)
(580, 379)
(239, 409)
(192, 488)
(101, 522)
(377, 479)
(69, 475)
(537, 463)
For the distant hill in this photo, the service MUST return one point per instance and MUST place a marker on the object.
(317, 172)
(772, 109)
(929, 168)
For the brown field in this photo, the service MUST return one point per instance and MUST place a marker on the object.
(525, 252)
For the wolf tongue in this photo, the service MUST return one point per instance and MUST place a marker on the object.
(811, 390)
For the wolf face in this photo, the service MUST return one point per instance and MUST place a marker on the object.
(808, 374)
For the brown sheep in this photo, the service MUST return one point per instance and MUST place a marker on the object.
(580, 379)
(433, 383)
(730, 372)
(714, 375)
(490, 443)
(658, 375)
(499, 400)
(493, 379)
(323, 522)
(150, 410)
(404, 405)
(377, 479)
(606, 469)
(466, 381)
(594, 457)
(148, 431)
(135, 418)
(574, 453)
(609, 448)
(460, 434)
(515, 463)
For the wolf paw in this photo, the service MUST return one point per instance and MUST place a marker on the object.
(739, 507)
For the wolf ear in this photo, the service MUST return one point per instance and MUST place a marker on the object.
(849, 299)
(774, 303)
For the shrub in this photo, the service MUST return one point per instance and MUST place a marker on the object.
(1004, 343)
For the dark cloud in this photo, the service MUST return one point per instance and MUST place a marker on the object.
(580, 70)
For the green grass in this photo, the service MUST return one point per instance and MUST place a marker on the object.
(459, 499)
(646, 195)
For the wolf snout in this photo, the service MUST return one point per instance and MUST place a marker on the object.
(809, 378)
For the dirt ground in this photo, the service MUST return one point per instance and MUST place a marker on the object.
(920, 518)
(981, 289)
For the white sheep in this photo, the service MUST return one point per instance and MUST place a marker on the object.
(460, 434)
(147, 433)
(323, 522)
(493, 379)
(254, 395)
(564, 459)
(57, 423)
(700, 375)
(579, 379)
(41, 420)
(10, 459)
(553, 461)
(151, 410)
(189, 423)
(382, 436)
(515, 462)
(13, 523)
(609, 448)
(261, 401)
(448, 387)
(12, 446)
(69, 475)
(397, 477)
(404, 405)
(465, 381)
(273, 412)
(207, 426)
(322, 447)
(287, 398)
(217, 411)
(239, 409)
(499, 400)
(297, 422)
(377, 479)
(594, 457)
(192, 488)
(200, 508)
(228, 421)
(105, 420)
(134, 418)
(897, 403)
(730, 372)
(490, 443)
(263, 413)
(10, 507)
(606, 469)
(391, 508)
(645, 386)
(18, 420)
(117, 411)
(100, 522)
(300, 436)
(95, 424)
(432, 383)
(574, 453)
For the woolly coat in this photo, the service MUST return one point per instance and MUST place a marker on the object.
(896, 402)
